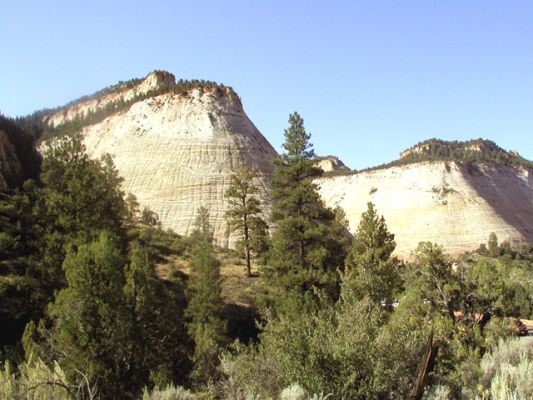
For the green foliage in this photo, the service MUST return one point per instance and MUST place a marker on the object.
(244, 215)
(460, 299)
(94, 338)
(308, 245)
(127, 330)
(159, 344)
(36, 380)
(493, 248)
(160, 243)
(149, 218)
(206, 326)
(370, 271)
(23, 146)
(345, 351)
(462, 152)
(75, 199)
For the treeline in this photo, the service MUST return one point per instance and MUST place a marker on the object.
(443, 150)
(37, 125)
(339, 315)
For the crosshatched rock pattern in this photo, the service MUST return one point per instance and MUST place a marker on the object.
(448, 203)
(177, 152)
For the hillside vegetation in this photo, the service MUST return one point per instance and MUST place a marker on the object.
(98, 302)
(467, 152)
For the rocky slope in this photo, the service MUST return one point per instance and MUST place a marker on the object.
(177, 150)
(454, 204)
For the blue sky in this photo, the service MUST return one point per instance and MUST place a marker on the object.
(370, 78)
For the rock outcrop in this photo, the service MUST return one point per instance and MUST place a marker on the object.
(454, 204)
(177, 150)
(123, 92)
(331, 164)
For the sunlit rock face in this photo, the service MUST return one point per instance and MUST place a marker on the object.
(177, 152)
(331, 164)
(449, 203)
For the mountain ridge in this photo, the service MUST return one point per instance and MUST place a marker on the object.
(177, 144)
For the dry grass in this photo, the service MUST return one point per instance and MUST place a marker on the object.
(237, 288)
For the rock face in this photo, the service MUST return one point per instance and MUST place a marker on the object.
(448, 203)
(121, 92)
(330, 164)
(177, 151)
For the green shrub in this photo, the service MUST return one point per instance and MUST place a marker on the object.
(35, 380)
(508, 371)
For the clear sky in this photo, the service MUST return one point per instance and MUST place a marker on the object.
(370, 78)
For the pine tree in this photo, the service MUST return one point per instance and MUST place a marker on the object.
(207, 328)
(370, 270)
(92, 327)
(493, 247)
(244, 214)
(305, 253)
(158, 337)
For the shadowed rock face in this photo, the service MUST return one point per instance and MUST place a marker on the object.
(444, 202)
(177, 152)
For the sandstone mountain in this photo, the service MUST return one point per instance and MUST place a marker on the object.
(442, 199)
(175, 145)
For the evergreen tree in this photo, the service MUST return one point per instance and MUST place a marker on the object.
(91, 321)
(158, 337)
(206, 327)
(494, 249)
(306, 248)
(79, 198)
(244, 214)
(370, 270)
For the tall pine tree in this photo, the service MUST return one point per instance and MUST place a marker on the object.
(244, 215)
(370, 270)
(307, 246)
(206, 327)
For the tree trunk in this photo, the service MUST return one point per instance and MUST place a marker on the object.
(425, 367)
(247, 248)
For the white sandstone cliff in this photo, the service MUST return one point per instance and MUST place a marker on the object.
(444, 202)
(177, 151)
